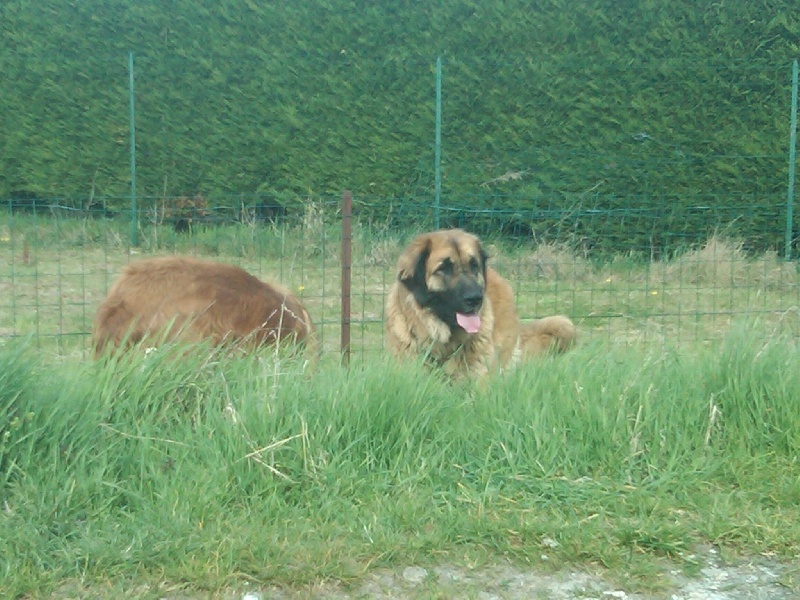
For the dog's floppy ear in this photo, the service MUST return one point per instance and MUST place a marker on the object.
(411, 266)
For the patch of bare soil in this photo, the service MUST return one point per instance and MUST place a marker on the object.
(756, 579)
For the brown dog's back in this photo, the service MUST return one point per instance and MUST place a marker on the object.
(191, 300)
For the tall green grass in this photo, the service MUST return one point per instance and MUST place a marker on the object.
(203, 471)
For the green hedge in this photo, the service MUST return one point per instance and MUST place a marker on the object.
(612, 104)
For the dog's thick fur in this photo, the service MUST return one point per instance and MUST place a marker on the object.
(445, 287)
(187, 299)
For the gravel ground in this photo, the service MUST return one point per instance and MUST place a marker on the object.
(757, 579)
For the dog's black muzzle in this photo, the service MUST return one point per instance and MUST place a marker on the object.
(470, 295)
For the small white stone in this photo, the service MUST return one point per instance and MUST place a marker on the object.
(415, 574)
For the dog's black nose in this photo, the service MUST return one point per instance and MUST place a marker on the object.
(472, 298)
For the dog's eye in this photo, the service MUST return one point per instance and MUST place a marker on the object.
(474, 265)
(446, 268)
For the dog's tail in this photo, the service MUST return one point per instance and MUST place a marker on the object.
(550, 334)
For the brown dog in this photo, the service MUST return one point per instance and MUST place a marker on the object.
(187, 299)
(450, 307)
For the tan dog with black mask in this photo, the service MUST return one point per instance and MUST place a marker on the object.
(450, 307)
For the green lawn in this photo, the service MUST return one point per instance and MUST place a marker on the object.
(675, 422)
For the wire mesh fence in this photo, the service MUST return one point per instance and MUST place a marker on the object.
(58, 262)
(648, 200)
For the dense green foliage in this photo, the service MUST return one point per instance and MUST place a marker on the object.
(207, 470)
(555, 106)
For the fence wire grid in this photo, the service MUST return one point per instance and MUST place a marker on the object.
(650, 201)
(58, 262)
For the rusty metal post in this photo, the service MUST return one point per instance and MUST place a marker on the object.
(347, 237)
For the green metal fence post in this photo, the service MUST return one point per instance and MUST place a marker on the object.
(438, 146)
(792, 160)
(134, 229)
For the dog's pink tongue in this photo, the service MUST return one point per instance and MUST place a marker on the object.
(469, 323)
